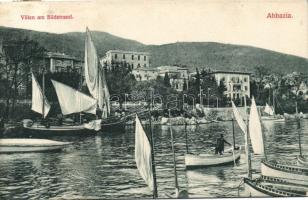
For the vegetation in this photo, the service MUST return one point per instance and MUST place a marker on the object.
(17, 58)
(21, 55)
(204, 54)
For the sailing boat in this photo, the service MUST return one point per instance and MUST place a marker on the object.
(96, 82)
(288, 171)
(301, 159)
(70, 100)
(271, 115)
(144, 157)
(208, 160)
(266, 185)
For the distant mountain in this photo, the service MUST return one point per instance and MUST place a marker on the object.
(212, 55)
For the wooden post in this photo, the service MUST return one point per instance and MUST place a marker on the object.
(299, 136)
(186, 136)
(43, 90)
(248, 159)
(233, 134)
(174, 160)
(155, 193)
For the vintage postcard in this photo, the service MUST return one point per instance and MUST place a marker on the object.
(117, 99)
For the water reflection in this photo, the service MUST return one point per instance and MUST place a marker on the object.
(103, 165)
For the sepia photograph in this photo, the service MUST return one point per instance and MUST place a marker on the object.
(156, 99)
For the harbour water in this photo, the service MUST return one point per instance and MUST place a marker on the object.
(103, 166)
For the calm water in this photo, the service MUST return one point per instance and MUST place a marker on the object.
(103, 165)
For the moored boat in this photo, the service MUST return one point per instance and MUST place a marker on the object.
(38, 129)
(23, 145)
(292, 172)
(260, 188)
(208, 160)
(212, 159)
(272, 118)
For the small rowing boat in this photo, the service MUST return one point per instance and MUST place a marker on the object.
(22, 145)
(209, 160)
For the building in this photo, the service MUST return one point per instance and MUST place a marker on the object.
(177, 75)
(133, 58)
(60, 62)
(237, 83)
(145, 74)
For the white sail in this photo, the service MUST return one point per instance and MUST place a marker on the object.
(268, 110)
(143, 155)
(239, 118)
(37, 99)
(73, 101)
(95, 76)
(255, 129)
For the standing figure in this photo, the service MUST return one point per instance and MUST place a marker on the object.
(220, 144)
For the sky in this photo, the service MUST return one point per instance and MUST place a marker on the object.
(242, 22)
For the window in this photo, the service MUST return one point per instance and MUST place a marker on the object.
(123, 56)
(138, 65)
(145, 58)
(132, 65)
(115, 56)
(245, 79)
(138, 57)
(246, 88)
(132, 57)
(144, 65)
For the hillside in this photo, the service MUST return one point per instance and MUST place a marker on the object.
(192, 54)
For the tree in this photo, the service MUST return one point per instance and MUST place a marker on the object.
(185, 85)
(120, 80)
(197, 83)
(18, 57)
(260, 72)
(167, 80)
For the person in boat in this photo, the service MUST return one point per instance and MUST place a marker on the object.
(220, 145)
(60, 120)
(1, 123)
(99, 113)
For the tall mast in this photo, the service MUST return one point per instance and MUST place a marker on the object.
(186, 137)
(233, 134)
(80, 87)
(155, 195)
(248, 159)
(274, 103)
(299, 136)
(269, 95)
(173, 152)
(43, 90)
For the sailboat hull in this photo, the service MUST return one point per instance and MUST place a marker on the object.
(302, 160)
(284, 171)
(24, 145)
(58, 130)
(272, 118)
(260, 188)
(209, 160)
(113, 126)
